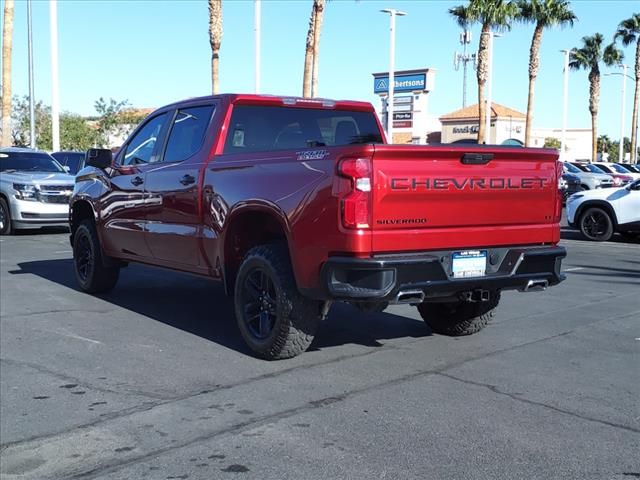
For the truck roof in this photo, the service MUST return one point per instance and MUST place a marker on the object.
(279, 100)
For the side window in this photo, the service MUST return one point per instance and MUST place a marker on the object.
(141, 148)
(187, 132)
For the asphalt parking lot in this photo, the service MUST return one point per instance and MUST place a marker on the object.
(153, 381)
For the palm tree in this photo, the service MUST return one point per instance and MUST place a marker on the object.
(312, 51)
(491, 14)
(588, 57)
(544, 13)
(316, 46)
(7, 44)
(629, 32)
(215, 39)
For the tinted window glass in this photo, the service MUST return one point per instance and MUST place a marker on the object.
(257, 128)
(29, 162)
(571, 168)
(593, 169)
(73, 160)
(618, 168)
(187, 133)
(604, 168)
(141, 148)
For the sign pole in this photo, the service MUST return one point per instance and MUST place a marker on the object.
(392, 51)
(392, 48)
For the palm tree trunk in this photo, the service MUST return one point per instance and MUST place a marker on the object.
(308, 55)
(215, 39)
(594, 101)
(7, 45)
(481, 75)
(636, 100)
(319, 8)
(594, 137)
(534, 64)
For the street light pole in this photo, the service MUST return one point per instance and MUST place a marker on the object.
(257, 19)
(392, 48)
(624, 95)
(55, 103)
(565, 103)
(32, 100)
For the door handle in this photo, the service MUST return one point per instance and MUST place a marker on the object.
(187, 180)
(137, 181)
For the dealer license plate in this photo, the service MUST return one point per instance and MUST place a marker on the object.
(472, 263)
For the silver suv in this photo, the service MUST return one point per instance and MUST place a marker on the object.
(34, 190)
(589, 180)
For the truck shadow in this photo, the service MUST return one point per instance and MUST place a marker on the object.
(200, 307)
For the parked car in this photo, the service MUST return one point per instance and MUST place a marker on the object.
(631, 168)
(600, 213)
(296, 203)
(619, 179)
(589, 180)
(616, 168)
(34, 190)
(73, 162)
(570, 184)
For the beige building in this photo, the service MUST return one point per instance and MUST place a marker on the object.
(577, 141)
(507, 125)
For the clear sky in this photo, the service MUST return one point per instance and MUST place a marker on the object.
(155, 52)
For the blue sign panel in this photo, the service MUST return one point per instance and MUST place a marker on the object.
(402, 83)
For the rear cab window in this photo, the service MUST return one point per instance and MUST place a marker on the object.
(271, 128)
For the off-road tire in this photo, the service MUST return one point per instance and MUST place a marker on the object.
(295, 318)
(98, 277)
(596, 224)
(5, 215)
(459, 318)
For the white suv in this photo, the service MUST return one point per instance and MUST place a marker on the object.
(600, 213)
(34, 190)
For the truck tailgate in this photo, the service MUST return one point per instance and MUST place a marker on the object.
(430, 197)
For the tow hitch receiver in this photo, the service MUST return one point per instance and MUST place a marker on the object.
(474, 296)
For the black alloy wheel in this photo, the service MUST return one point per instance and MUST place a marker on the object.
(84, 258)
(275, 320)
(596, 224)
(259, 299)
(95, 272)
(5, 218)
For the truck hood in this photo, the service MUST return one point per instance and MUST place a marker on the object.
(39, 178)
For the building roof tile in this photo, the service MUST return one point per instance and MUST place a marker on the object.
(471, 113)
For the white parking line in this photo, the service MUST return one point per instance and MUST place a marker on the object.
(573, 269)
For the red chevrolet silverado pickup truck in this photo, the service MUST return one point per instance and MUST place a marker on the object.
(296, 203)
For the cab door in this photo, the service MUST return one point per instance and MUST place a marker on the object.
(172, 187)
(124, 207)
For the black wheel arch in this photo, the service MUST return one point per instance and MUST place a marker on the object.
(79, 211)
(246, 229)
(600, 204)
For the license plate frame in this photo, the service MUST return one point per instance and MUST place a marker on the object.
(469, 264)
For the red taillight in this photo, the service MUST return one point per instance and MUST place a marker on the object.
(559, 194)
(356, 205)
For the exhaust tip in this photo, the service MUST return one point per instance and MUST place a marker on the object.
(409, 296)
(535, 286)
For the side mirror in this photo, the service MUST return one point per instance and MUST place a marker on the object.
(99, 158)
(66, 168)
